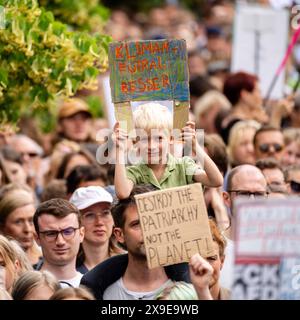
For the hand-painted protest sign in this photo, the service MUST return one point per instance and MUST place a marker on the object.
(175, 225)
(149, 71)
(267, 237)
(259, 44)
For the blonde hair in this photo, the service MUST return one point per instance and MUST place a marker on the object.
(152, 116)
(7, 251)
(236, 132)
(24, 262)
(290, 135)
(209, 99)
(81, 293)
(32, 279)
(13, 200)
(11, 253)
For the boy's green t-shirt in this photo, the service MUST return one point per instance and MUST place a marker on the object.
(179, 172)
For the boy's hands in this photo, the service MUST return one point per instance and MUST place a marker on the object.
(119, 137)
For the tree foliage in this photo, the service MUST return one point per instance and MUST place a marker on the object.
(84, 15)
(42, 60)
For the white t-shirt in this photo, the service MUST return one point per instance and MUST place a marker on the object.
(117, 291)
(73, 282)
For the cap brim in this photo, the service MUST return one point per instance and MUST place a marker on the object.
(91, 202)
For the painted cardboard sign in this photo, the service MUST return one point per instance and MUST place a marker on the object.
(175, 225)
(150, 70)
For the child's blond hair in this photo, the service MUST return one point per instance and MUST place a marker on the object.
(151, 115)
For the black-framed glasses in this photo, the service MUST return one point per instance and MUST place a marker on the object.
(245, 193)
(51, 235)
(265, 147)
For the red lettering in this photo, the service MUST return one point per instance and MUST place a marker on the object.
(129, 56)
(124, 88)
(155, 84)
(145, 85)
(159, 65)
(165, 81)
(122, 66)
(149, 84)
(152, 65)
(132, 67)
(155, 48)
(165, 46)
(146, 47)
(132, 86)
(118, 52)
(138, 48)
(142, 84)
(143, 65)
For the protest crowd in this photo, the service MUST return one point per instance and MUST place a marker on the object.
(70, 200)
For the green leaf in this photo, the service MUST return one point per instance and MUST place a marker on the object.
(58, 28)
(43, 95)
(45, 19)
(90, 72)
(3, 77)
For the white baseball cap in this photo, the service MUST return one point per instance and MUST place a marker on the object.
(87, 196)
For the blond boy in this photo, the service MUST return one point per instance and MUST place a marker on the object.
(153, 123)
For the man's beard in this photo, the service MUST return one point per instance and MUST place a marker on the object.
(139, 253)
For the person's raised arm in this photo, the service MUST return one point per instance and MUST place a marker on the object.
(210, 175)
(201, 274)
(123, 185)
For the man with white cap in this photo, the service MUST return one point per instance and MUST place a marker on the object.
(94, 204)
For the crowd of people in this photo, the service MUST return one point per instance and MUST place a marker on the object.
(69, 222)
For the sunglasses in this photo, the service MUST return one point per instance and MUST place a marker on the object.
(295, 186)
(265, 147)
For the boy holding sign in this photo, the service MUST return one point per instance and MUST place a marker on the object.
(154, 70)
(153, 123)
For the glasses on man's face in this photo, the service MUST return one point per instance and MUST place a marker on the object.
(265, 147)
(51, 235)
(91, 217)
(248, 194)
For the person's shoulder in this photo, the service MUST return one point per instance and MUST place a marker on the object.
(105, 273)
(105, 266)
(112, 291)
